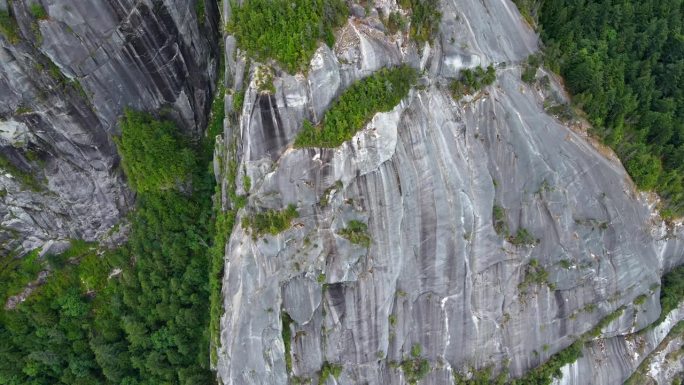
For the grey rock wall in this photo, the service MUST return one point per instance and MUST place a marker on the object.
(64, 85)
(425, 177)
(613, 360)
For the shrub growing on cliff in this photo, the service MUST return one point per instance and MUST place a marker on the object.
(471, 81)
(481, 377)
(38, 11)
(529, 72)
(379, 92)
(534, 275)
(425, 18)
(395, 22)
(8, 27)
(356, 232)
(287, 339)
(271, 221)
(200, 11)
(416, 367)
(499, 220)
(328, 370)
(286, 30)
(154, 156)
(523, 238)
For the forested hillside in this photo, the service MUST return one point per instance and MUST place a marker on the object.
(623, 60)
(135, 315)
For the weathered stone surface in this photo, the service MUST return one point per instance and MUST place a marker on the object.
(425, 177)
(63, 87)
(612, 360)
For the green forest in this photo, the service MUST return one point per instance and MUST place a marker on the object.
(379, 92)
(286, 30)
(623, 61)
(145, 324)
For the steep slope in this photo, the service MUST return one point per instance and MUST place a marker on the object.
(66, 74)
(430, 179)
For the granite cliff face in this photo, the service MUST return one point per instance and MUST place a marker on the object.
(63, 84)
(430, 179)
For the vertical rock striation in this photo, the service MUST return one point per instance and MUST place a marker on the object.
(63, 84)
(428, 178)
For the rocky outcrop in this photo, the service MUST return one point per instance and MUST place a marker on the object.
(612, 360)
(65, 82)
(426, 178)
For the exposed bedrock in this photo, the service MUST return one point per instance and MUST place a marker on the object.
(426, 178)
(63, 85)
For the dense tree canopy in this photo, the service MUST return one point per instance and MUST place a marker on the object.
(286, 30)
(623, 60)
(153, 154)
(147, 323)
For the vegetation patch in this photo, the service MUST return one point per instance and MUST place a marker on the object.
(223, 227)
(356, 232)
(287, 340)
(535, 275)
(471, 81)
(545, 373)
(380, 92)
(425, 18)
(246, 183)
(25, 178)
(563, 111)
(263, 78)
(38, 11)
(481, 377)
(415, 368)
(296, 380)
(238, 100)
(218, 113)
(528, 9)
(200, 11)
(154, 156)
(17, 272)
(596, 331)
(286, 30)
(8, 27)
(529, 72)
(671, 293)
(325, 198)
(223, 221)
(523, 238)
(640, 300)
(499, 220)
(271, 222)
(328, 370)
(396, 22)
